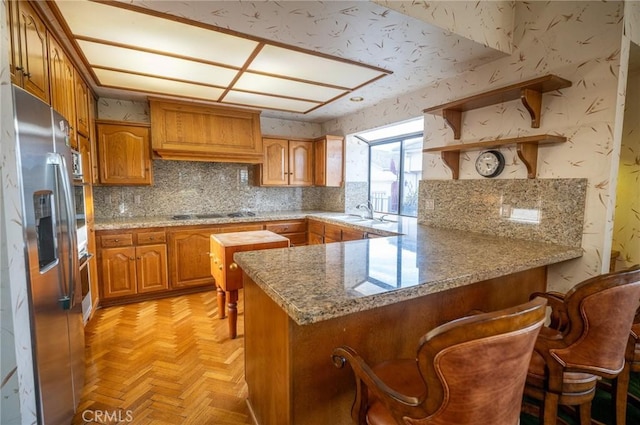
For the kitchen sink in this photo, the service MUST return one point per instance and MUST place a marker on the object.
(356, 219)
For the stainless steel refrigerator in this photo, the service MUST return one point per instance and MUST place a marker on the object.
(51, 256)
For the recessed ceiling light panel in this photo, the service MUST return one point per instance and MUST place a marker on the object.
(156, 85)
(283, 87)
(269, 102)
(105, 56)
(304, 66)
(129, 28)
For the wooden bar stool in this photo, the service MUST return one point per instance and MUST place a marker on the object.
(226, 272)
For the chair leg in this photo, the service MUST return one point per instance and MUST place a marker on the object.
(619, 393)
(550, 408)
(585, 413)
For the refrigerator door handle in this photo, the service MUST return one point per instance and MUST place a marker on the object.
(60, 166)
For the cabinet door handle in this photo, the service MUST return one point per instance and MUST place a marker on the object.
(26, 74)
(139, 258)
(19, 68)
(131, 258)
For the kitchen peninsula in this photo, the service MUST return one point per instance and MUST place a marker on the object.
(378, 296)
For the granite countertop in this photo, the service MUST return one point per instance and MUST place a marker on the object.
(321, 282)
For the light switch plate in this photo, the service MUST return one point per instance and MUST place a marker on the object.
(429, 204)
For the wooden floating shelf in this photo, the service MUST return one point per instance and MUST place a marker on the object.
(530, 92)
(527, 151)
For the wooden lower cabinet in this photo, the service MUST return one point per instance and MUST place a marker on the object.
(189, 258)
(133, 270)
(294, 230)
(320, 233)
(189, 264)
(118, 272)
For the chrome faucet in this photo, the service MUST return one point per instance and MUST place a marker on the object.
(368, 207)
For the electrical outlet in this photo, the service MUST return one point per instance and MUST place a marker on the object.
(429, 204)
(505, 211)
(137, 199)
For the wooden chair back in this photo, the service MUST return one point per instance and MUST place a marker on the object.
(600, 313)
(475, 367)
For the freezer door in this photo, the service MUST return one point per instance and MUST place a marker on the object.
(47, 247)
(70, 255)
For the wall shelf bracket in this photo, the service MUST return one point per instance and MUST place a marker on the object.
(530, 93)
(527, 148)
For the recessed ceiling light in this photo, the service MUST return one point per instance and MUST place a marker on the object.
(356, 99)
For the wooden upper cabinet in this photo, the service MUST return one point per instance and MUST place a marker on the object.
(300, 163)
(11, 20)
(198, 132)
(62, 83)
(123, 154)
(329, 161)
(275, 168)
(286, 163)
(82, 97)
(28, 49)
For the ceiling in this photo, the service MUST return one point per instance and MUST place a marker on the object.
(300, 60)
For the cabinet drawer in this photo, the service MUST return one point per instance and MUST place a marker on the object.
(316, 227)
(315, 239)
(121, 239)
(288, 227)
(332, 232)
(238, 228)
(352, 234)
(147, 238)
(297, 239)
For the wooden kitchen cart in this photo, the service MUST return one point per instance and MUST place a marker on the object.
(226, 272)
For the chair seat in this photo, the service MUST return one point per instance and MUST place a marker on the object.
(574, 383)
(403, 376)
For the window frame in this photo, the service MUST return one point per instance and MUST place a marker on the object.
(401, 182)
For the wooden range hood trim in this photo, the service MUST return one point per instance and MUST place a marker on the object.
(177, 155)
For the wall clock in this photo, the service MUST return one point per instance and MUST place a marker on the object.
(490, 163)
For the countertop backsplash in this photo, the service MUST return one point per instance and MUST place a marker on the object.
(182, 187)
(543, 210)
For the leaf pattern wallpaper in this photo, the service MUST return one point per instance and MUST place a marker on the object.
(626, 235)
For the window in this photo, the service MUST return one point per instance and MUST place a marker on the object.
(395, 167)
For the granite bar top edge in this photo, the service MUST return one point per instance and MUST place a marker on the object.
(304, 314)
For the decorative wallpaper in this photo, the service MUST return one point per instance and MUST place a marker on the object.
(489, 23)
(580, 41)
(542, 210)
(626, 234)
(18, 403)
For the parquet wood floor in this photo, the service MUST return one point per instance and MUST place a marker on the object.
(167, 361)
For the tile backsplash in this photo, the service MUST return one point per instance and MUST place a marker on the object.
(544, 210)
(204, 187)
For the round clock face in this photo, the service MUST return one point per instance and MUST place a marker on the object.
(490, 163)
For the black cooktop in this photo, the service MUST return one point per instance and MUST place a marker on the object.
(212, 215)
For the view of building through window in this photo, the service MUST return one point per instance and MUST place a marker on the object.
(395, 167)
